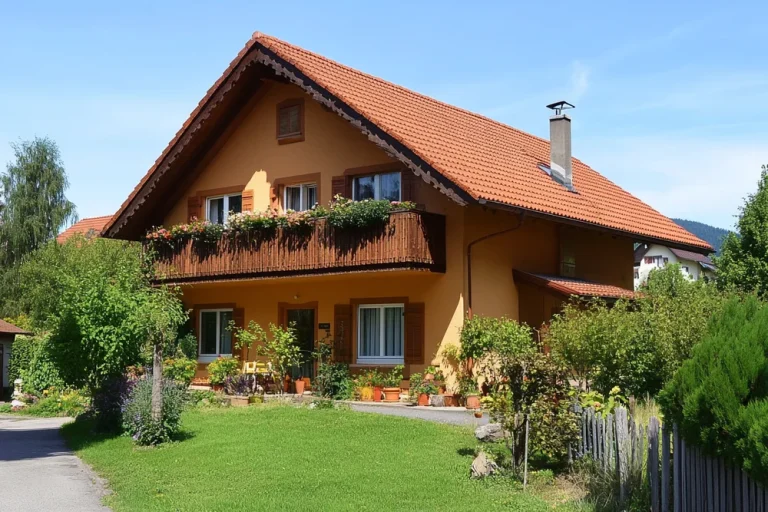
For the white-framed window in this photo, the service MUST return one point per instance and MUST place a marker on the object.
(214, 339)
(299, 197)
(380, 333)
(377, 186)
(218, 208)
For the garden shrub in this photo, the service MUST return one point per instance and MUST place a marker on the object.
(524, 382)
(108, 400)
(71, 403)
(719, 398)
(333, 379)
(137, 413)
(180, 369)
(40, 372)
(221, 368)
(636, 345)
(21, 356)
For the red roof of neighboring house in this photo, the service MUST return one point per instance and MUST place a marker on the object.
(569, 286)
(6, 328)
(469, 157)
(90, 226)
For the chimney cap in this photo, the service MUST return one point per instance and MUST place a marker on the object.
(559, 106)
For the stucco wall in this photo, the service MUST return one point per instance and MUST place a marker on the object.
(251, 158)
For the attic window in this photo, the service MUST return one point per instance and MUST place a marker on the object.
(290, 121)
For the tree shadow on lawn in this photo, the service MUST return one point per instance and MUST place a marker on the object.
(83, 433)
(467, 452)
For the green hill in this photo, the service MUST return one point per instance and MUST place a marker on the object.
(706, 232)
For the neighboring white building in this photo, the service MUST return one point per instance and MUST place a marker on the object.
(650, 256)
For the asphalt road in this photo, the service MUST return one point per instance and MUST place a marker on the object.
(39, 473)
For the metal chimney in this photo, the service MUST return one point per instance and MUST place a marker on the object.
(560, 143)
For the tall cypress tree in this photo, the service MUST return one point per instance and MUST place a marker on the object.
(743, 260)
(34, 205)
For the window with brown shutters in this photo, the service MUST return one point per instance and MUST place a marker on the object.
(247, 205)
(414, 333)
(342, 327)
(194, 208)
(339, 186)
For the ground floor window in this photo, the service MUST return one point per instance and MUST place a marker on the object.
(215, 339)
(380, 333)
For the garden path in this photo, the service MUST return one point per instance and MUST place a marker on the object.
(39, 473)
(451, 415)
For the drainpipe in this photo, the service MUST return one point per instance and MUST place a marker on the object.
(469, 258)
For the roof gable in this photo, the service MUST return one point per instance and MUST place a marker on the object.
(470, 158)
(86, 227)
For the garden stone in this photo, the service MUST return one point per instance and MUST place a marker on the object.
(482, 466)
(437, 401)
(490, 433)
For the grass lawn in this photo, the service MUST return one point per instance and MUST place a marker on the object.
(286, 458)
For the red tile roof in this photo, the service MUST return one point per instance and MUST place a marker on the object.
(483, 160)
(568, 286)
(89, 227)
(6, 328)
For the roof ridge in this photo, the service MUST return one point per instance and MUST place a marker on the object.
(258, 36)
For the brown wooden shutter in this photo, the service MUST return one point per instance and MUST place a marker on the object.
(274, 198)
(339, 186)
(408, 184)
(238, 317)
(247, 200)
(414, 333)
(194, 207)
(342, 325)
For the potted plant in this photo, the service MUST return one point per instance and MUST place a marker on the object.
(377, 383)
(421, 388)
(281, 349)
(299, 383)
(451, 398)
(392, 382)
(238, 387)
(365, 387)
(220, 369)
(469, 391)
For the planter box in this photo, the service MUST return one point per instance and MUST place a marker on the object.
(238, 401)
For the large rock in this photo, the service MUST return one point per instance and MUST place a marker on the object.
(490, 433)
(482, 466)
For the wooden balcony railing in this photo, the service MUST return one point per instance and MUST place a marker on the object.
(410, 240)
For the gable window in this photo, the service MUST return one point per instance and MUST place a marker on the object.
(377, 186)
(380, 333)
(215, 339)
(218, 208)
(290, 121)
(299, 197)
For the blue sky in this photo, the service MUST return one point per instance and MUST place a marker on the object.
(671, 99)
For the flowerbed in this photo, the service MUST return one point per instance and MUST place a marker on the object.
(341, 213)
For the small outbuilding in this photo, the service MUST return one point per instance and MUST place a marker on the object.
(8, 334)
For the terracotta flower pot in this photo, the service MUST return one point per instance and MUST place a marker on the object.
(423, 399)
(472, 401)
(478, 413)
(450, 400)
(376, 393)
(218, 387)
(299, 386)
(391, 394)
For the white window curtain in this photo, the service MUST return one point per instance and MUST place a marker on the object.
(380, 333)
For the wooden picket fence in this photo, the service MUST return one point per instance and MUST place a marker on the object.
(682, 479)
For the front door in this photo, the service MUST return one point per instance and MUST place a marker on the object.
(304, 322)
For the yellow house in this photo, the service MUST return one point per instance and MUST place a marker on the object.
(505, 224)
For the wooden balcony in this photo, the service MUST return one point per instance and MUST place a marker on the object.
(410, 240)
